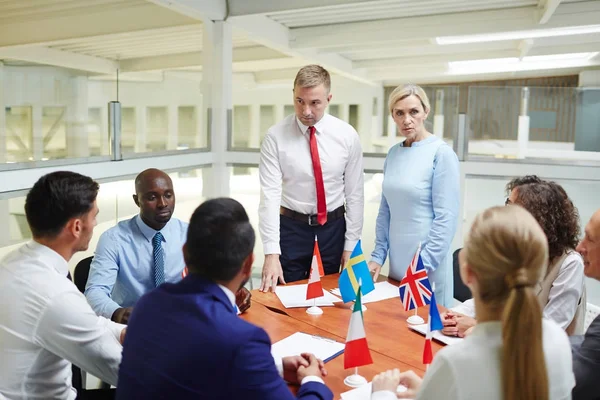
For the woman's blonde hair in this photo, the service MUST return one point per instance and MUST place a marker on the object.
(403, 91)
(507, 252)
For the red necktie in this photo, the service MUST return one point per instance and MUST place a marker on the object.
(314, 153)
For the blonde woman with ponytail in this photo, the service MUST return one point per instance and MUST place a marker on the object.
(512, 353)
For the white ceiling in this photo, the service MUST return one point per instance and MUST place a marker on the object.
(373, 41)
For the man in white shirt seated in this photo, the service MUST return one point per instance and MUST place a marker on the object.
(45, 322)
(311, 181)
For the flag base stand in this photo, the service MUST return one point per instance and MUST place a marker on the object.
(314, 310)
(355, 380)
(415, 320)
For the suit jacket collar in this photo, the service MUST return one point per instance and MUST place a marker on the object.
(199, 284)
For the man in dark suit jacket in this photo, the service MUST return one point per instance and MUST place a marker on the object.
(586, 349)
(185, 341)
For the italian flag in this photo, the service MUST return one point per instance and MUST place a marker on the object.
(357, 351)
(314, 288)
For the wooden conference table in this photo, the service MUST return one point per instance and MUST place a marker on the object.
(392, 343)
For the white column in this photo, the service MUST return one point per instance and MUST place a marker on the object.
(254, 141)
(37, 134)
(140, 129)
(344, 112)
(173, 123)
(104, 137)
(77, 118)
(217, 99)
(523, 126)
(438, 117)
(3, 133)
(200, 140)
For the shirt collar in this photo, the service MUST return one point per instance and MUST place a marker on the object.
(56, 260)
(230, 295)
(318, 126)
(149, 232)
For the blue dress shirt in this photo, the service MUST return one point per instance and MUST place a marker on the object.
(419, 204)
(123, 266)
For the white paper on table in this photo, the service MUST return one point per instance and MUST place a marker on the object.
(437, 335)
(295, 296)
(323, 348)
(364, 392)
(382, 291)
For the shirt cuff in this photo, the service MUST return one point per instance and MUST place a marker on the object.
(279, 365)
(311, 379)
(383, 395)
(349, 245)
(271, 248)
(110, 309)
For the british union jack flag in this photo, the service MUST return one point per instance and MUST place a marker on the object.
(415, 289)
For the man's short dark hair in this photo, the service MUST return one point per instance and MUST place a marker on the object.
(219, 239)
(55, 199)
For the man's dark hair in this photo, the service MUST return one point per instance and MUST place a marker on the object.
(55, 199)
(219, 239)
(522, 180)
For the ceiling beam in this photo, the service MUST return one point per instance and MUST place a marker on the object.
(547, 9)
(59, 58)
(45, 31)
(244, 59)
(524, 47)
(262, 7)
(272, 34)
(205, 10)
(427, 27)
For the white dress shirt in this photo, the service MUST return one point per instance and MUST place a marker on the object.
(563, 298)
(45, 325)
(287, 178)
(472, 370)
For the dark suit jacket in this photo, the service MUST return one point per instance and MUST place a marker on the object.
(185, 341)
(586, 363)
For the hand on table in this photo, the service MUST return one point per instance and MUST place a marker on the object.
(271, 273)
(242, 299)
(345, 258)
(388, 380)
(375, 268)
(456, 324)
(315, 367)
(412, 382)
(121, 315)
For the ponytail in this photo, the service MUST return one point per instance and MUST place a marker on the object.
(524, 375)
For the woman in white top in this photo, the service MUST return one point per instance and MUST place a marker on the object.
(561, 291)
(512, 354)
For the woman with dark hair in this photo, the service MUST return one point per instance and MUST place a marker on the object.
(561, 290)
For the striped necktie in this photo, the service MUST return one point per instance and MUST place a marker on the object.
(159, 259)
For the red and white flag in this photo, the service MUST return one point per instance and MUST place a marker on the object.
(317, 255)
(314, 288)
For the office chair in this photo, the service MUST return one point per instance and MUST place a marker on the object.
(461, 291)
(80, 277)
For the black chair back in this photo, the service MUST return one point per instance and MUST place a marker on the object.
(81, 273)
(461, 291)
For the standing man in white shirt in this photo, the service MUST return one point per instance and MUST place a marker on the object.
(45, 322)
(311, 179)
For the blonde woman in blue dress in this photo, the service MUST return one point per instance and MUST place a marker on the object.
(420, 197)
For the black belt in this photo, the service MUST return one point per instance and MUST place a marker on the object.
(312, 219)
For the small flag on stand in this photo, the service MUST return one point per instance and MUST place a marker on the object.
(415, 289)
(357, 351)
(317, 256)
(434, 323)
(355, 271)
(314, 288)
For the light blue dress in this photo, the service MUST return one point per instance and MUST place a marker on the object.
(419, 203)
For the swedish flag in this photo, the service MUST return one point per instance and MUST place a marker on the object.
(356, 270)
